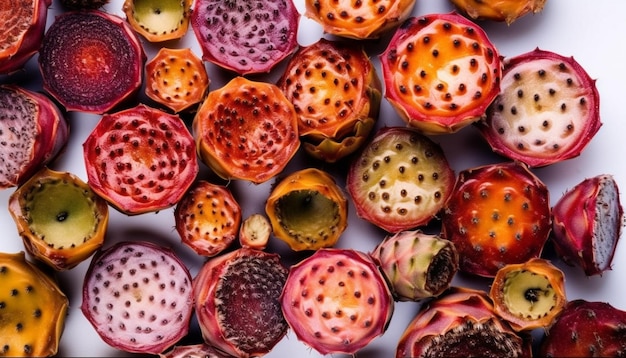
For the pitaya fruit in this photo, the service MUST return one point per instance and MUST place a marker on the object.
(176, 78)
(246, 130)
(91, 61)
(498, 10)
(417, 265)
(138, 296)
(246, 36)
(237, 302)
(498, 214)
(140, 159)
(61, 220)
(34, 129)
(207, 218)
(337, 301)
(441, 72)
(529, 295)
(586, 329)
(587, 223)
(307, 210)
(32, 309)
(22, 26)
(255, 232)
(158, 21)
(358, 19)
(336, 93)
(400, 180)
(547, 110)
(201, 350)
(461, 323)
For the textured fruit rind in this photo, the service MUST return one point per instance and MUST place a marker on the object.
(158, 21)
(499, 10)
(337, 301)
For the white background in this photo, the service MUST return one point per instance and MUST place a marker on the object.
(594, 32)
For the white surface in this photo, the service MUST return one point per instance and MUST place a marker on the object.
(594, 32)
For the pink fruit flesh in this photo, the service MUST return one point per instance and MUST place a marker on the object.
(138, 297)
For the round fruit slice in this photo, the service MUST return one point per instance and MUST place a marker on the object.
(441, 72)
(91, 61)
(246, 130)
(158, 21)
(140, 159)
(337, 301)
(207, 218)
(547, 111)
(336, 93)
(60, 219)
(400, 180)
(498, 10)
(358, 19)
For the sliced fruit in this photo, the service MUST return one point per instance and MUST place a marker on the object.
(84, 4)
(158, 21)
(201, 350)
(61, 220)
(140, 159)
(246, 130)
(336, 93)
(441, 72)
(255, 232)
(400, 180)
(498, 10)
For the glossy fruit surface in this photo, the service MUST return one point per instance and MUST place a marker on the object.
(158, 21)
(499, 10)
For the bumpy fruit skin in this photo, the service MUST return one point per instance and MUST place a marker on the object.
(158, 21)
(246, 130)
(586, 329)
(529, 295)
(247, 36)
(32, 309)
(461, 323)
(60, 219)
(417, 265)
(176, 78)
(138, 297)
(441, 72)
(255, 232)
(91, 61)
(237, 302)
(499, 10)
(499, 214)
(400, 180)
(34, 129)
(22, 26)
(547, 111)
(307, 210)
(337, 301)
(140, 159)
(357, 19)
(84, 4)
(337, 93)
(587, 224)
(207, 218)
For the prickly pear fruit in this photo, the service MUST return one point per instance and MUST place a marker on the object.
(337, 301)
(587, 223)
(255, 232)
(498, 10)
(138, 297)
(202, 350)
(158, 21)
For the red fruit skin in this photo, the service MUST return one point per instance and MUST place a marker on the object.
(579, 225)
(586, 329)
(29, 40)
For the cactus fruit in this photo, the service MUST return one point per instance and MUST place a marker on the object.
(417, 265)
(248, 36)
(246, 130)
(84, 4)
(32, 309)
(307, 210)
(336, 93)
(498, 10)
(400, 180)
(337, 301)
(91, 61)
(138, 297)
(140, 159)
(207, 218)
(33, 132)
(547, 110)
(61, 220)
(499, 214)
(441, 72)
(587, 223)
(201, 350)
(237, 302)
(255, 232)
(158, 21)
